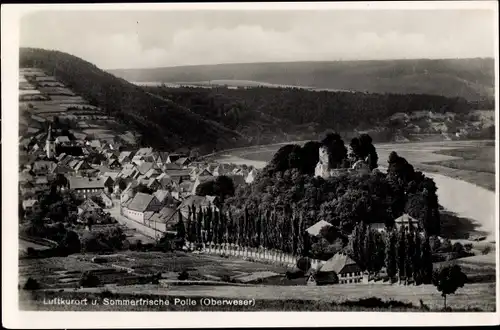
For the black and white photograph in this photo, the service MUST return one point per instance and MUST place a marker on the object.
(337, 157)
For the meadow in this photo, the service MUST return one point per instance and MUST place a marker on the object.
(473, 297)
(54, 274)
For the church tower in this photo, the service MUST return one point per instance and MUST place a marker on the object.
(50, 146)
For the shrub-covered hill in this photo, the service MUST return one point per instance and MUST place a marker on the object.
(163, 123)
(472, 79)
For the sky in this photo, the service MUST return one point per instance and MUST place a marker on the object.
(146, 39)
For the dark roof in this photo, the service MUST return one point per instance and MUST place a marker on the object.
(76, 182)
(173, 173)
(340, 263)
(145, 167)
(140, 202)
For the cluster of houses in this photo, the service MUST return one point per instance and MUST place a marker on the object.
(147, 185)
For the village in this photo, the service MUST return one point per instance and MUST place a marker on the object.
(134, 199)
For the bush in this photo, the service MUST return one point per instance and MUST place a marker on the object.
(31, 251)
(468, 247)
(486, 249)
(225, 278)
(89, 280)
(31, 284)
(446, 246)
(184, 275)
(293, 274)
(374, 302)
(304, 264)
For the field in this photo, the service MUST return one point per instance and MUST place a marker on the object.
(268, 296)
(479, 297)
(50, 271)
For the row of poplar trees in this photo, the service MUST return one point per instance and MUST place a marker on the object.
(405, 253)
(278, 229)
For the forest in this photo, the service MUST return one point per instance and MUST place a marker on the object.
(260, 112)
(286, 198)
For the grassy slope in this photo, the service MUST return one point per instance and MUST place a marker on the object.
(469, 78)
(163, 123)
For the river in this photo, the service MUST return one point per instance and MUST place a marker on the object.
(465, 199)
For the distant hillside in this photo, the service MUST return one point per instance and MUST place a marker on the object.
(472, 79)
(269, 115)
(162, 123)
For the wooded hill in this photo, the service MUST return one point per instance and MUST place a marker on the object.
(163, 123)
(266, 115)
(472, 79)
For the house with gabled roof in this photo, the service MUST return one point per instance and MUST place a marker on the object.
(340, 269)
(86, 186)
(113, 163)
(62, 139)
(406, 220)
(140, 205)
(27, 187)
(128, 171)
(107, 200)
(95, 144)
(153, 184)
(125, 157)
(88, 205)
(183, 161)
(160, 157)
(315, 229)
(179, 175)
(251, 176)
(173, 157)
(28, 204)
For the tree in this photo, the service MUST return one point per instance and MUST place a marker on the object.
(426, 262)
(448, 279)
(310, 156)
(199, 225)
(446, 245)
(180, 227)
(98, 200)
(417, 259)
(409, 254)
(89, 280)
(390, 255)
(140, 188)
(337, 151)
(71, 242)
(368, 250)
(222, 187)
(434, 244)
(304, 264)
(31, 284)
(458, 249)
(401, 253)
(362, 148)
